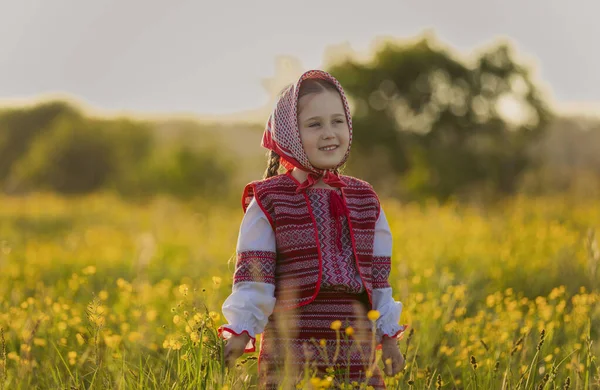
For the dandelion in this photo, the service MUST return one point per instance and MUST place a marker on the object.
(326, 383)
(89, 270)
(373, 315)
(216, 281)
(214, 316)
(135, 336)
(176, 319)
(39, 342)
(195, 337)
(388, 362)
(72, 356)
(183, 289)
(322, 342)
(349, 331)
(336, 325)
(151, 315)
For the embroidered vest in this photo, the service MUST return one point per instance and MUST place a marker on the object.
(298, 269)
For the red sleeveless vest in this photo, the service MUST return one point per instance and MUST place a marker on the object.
(298, 268)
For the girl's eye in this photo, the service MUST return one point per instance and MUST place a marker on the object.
(314, 124)
(339, 121)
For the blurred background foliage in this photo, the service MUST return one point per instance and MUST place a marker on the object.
(428, 123)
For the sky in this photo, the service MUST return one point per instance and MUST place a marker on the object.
(210, 58)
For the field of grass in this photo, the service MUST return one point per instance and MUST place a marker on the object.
(99, 293)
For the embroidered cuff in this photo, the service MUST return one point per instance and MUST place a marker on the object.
(381, 271)
(255, 266)
(227, 331)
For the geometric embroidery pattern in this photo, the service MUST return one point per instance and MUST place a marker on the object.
(339, 268)
(299, 260)
(381, 271)
(255, 266)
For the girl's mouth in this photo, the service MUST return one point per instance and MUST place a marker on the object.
(328, 148)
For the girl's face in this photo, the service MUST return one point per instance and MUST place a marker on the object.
(323, 128)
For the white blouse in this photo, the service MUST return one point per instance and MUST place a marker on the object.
(248, 307)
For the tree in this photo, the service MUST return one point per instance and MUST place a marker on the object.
(19, 128)
(441, 126)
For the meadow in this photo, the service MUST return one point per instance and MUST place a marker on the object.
(100, 293)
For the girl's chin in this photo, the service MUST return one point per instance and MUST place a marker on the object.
(325, 166)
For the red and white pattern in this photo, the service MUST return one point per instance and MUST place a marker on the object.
(299, 270)
(303, 336)
(282, 134)
(381, 271)
(339, 268)
(255, 266)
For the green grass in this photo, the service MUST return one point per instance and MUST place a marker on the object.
(96, 293)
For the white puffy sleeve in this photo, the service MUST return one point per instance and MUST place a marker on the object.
(389, 309)
(252, 300)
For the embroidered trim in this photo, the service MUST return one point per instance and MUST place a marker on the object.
(255, 266)
(381, 271)
(233, 332)
(398, 335)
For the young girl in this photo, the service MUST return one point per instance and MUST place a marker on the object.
(313, 252)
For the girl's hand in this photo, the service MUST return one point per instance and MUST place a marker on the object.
(391, 351)
(235, 348)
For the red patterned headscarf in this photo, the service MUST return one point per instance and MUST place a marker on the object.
(283, 136)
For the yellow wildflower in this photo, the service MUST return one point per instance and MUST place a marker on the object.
(39, 342)
(336, 325)
(183, 289)
(373, 315)
(151, 315)
(214, 316)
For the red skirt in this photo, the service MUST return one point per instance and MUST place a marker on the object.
(298, 340)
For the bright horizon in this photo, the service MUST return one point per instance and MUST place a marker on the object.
(211, 60)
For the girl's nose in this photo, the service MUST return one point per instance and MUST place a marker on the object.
(328, 132)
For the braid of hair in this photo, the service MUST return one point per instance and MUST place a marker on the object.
(272, 165)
